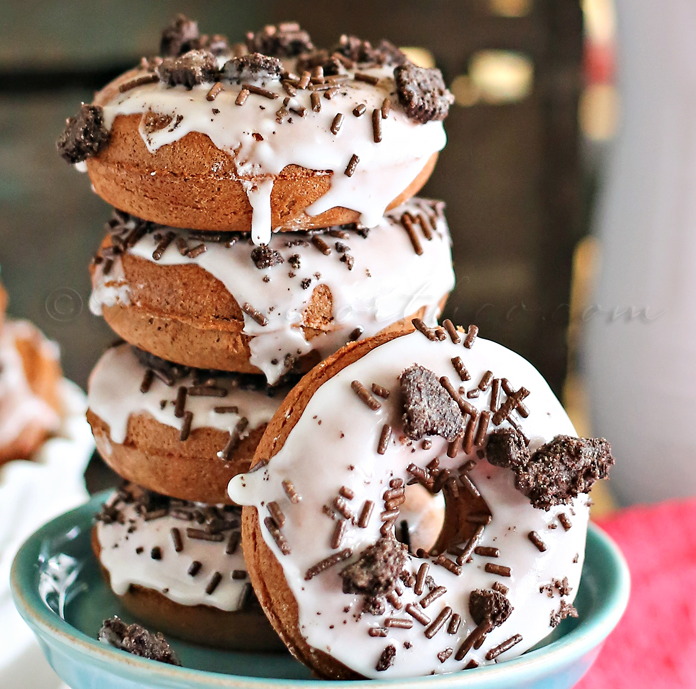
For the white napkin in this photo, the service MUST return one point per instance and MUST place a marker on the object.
(32, 493)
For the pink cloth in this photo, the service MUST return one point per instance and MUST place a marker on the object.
(654, 645)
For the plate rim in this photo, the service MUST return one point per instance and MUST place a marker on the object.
(588, 635)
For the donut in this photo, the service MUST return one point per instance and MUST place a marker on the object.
(268, 136)
(458, 414)
(178, 567)
(225, 304)
(187, 445)
(30, 401)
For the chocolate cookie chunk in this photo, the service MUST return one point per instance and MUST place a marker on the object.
(265, 257)
(179, 37)
(505, 448)
(562, 469)
(360, 51)
(84, 135)
(377, 569)
(195, 67)
(422, 92)
(137, 640)
(252, 67)
(489, 604)
(428, 407)
(283, 40)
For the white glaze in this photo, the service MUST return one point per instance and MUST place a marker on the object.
(126, 567)
(20, 407)
(114, 395)
(388, 282)
(385, 168)
(336, 432)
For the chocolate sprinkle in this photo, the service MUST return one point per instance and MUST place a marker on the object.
(213, 583)
(454, 335)
(352, 164)
(439, 622)
(176, 539)
(505, 646)
(470, 338)
(384, 438)
(500, 570)
(534, 537)
(194, 568)
(365, 396)
(428, 408)
(422, 92)
(84, 135)
(329, 562)
(477, 634)
(417, 614)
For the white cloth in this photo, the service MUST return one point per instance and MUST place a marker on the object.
(32, 493)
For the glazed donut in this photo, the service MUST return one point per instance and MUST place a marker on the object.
(188, 450)
(229, 305)
(283, 137)
(30, 376)
(323, 496)
(179, 567)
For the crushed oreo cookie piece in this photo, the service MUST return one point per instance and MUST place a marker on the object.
(505, 448)
(562, 469)
(377, 570)
(136, 640)
(422, 92)
(253, 67)
(194, 67)
(565, 610)
(283, 40)
(84, 135)
(386, 659)
(330, 66)
(265, 257)
(362, 52)
(179, 37)
(428, 407)
(373, 605)
(488, 604)
(216, 44)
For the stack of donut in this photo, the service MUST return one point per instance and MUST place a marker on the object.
(264, 217)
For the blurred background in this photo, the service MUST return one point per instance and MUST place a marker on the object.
(535, 109)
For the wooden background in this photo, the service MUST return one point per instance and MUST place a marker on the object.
(510, 174)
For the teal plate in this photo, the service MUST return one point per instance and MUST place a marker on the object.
(59, 591)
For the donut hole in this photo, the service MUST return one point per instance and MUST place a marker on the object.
(463, 514)
(421, 518)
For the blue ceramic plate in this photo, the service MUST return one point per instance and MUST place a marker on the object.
(59, 591)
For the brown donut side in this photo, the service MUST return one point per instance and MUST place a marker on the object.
(184, 314)
(192, 183)
(154, 457)
(201, 624)
(265, 571)
(43, 374)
